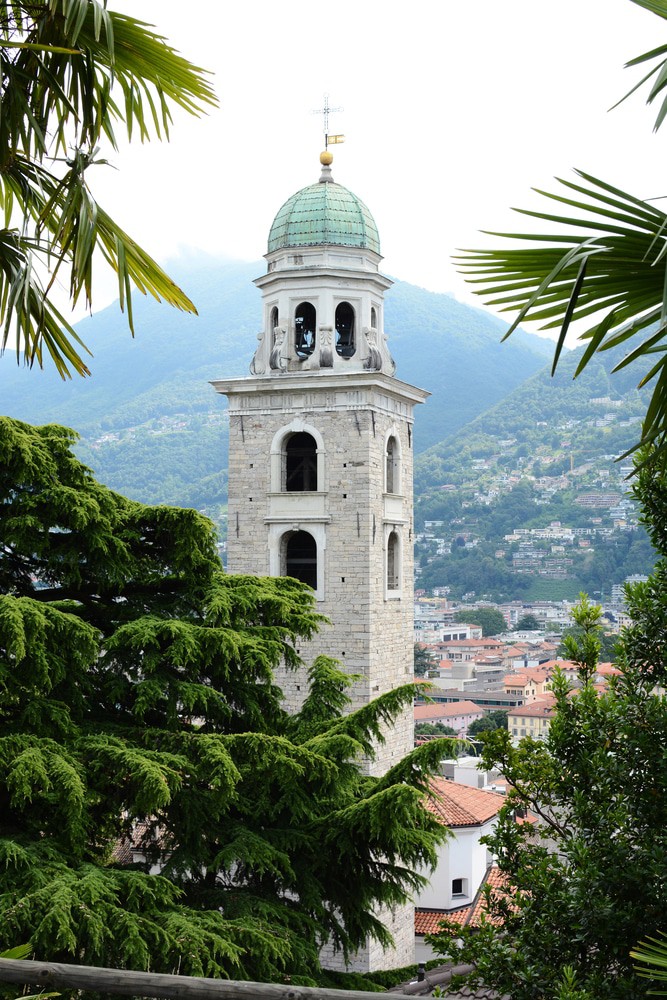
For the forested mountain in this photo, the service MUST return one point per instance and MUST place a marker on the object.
(153, 428)
(544, 454)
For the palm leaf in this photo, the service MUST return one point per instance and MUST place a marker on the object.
(653, 954)
(603, 264)
(72, 72)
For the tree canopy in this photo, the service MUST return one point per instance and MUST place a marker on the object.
(140, 711)
(585, 883)
(527, 623)
(604, 263)
(490, 619)
(74, 75)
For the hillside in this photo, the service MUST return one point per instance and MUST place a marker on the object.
(152, 427)
(488, 497)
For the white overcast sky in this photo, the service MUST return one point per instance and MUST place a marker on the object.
(452, 112)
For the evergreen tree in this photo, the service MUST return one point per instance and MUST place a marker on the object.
(138, 701)
(587, 882)
(423, 660)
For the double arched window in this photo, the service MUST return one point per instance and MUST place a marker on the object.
(345, 337)
(305, 322)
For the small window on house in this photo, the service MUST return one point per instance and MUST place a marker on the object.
(392, 471)
(393, 559)
(300, 459)
(301, 558)
(459, 887)
(374, 318)
(305, 319)
(344, 330)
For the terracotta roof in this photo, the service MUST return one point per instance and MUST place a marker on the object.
(545, 707)
(471, 642)
(607, 670)
(456, 804)
(428, 921)
(446, 710)
(499, 889)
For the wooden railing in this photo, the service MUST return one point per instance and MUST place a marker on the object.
(54, 975)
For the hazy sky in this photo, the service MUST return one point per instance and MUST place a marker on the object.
(452, 112)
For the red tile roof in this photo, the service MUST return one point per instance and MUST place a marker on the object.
(456, 804)
(471, 643)
(544, 708)
(428, 921)
(446, 710)
(500, 890)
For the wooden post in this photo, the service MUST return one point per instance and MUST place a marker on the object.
(52, 975)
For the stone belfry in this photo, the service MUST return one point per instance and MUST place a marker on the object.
(321, 445)
(320, 459)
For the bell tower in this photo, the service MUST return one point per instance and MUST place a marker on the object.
(321, 455)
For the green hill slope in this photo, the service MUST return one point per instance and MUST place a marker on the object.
(153, 428)
(487, 495)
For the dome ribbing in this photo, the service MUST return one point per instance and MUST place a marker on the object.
(324, 213)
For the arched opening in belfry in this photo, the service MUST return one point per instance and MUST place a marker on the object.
(393, 561)
(392, 457)
(345, 346)
(273, 322)
(305, 320)
(374, 318)
(300, 463)
(300, 560)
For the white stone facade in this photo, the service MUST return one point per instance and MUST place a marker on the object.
(350, 515)
(320, 483)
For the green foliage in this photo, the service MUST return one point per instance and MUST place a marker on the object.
(587, 881)
(138, 701)
(489, 723)
(73, 73)
(434, 729)
(491, 620)
(653, 953)
(423, 660)
(607, 643)
(527, 623)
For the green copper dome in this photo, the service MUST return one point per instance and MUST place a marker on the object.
(324, 213)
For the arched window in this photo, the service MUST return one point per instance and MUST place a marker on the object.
(345, 346)
(393, 561)
(301, 557)
(300, 463)
(305, 319)
(273, 322)
(374, 318)
(393, 475)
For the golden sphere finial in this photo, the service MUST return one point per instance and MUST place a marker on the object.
(326, 158)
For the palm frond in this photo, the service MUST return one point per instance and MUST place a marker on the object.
(605, 263)
(71, 73)
(653, 956)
